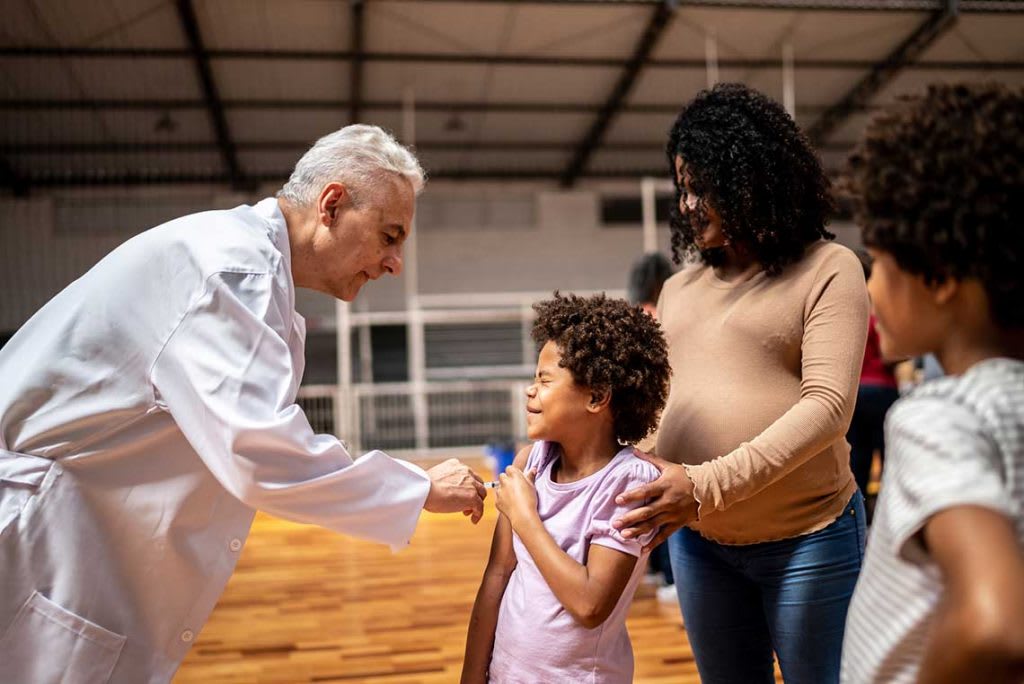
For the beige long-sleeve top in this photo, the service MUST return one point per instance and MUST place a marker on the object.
(765, 372)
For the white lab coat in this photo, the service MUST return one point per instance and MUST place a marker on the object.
(145, 413)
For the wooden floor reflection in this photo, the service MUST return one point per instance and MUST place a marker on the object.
(307, 605)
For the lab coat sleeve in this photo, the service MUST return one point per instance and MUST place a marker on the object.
(226, 376)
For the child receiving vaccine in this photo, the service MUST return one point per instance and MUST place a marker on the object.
(553, 600)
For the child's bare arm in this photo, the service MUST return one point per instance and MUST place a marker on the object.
(484, 619)
(589, 592)
(978, 634)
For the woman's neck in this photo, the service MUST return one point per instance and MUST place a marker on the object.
(736, 261)
(580, 459)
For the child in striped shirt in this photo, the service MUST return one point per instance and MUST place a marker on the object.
(939, 185)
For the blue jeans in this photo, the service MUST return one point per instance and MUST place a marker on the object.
(742, 602)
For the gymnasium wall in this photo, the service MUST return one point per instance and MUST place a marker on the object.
(470, 240)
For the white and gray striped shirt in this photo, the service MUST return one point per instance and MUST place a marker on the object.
(952, 442)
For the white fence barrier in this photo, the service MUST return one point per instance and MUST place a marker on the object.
(459, 414)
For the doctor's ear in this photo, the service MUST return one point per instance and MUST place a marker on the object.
(333, 198)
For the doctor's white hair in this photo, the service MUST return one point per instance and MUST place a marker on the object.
(360, 156)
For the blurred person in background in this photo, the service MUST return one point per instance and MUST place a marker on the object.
(878, 391)
(766, 332)
(646, 278)
(148, 410)
(927, 368)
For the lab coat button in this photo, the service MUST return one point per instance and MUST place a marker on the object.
(235, 545)
(187, 636)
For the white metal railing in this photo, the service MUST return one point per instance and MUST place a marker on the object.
(409, 415)
(466, 413)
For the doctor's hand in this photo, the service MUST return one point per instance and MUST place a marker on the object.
(454, 487)
(668, 503)
(516, 495)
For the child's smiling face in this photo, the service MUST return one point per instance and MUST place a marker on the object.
(556, 405)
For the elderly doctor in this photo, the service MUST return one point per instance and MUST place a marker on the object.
(149, 409)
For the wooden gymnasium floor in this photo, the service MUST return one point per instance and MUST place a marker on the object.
(308, 605)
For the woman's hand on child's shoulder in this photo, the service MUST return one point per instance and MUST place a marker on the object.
(516, 496)
(667, 503)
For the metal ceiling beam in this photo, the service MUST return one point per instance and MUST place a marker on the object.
(656, 25)
(44, 52)
(301, 145)
(822, 5)
(912, 47)
(374, 105)
(355, 110)
(190, 178)
(99, 179)
(189, 24)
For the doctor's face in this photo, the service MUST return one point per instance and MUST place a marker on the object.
(362, 242)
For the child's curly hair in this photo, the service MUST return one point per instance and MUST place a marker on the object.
(938, 183)
(609, 344)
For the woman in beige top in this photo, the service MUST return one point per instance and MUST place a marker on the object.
(766, 330)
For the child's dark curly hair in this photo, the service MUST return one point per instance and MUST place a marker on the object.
(938, 183)
(748, 160)
(611, 345)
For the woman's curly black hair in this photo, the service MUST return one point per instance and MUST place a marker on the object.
(747, 159)
(938, 183)
(610, 345)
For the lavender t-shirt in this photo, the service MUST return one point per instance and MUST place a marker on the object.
(536, 639)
